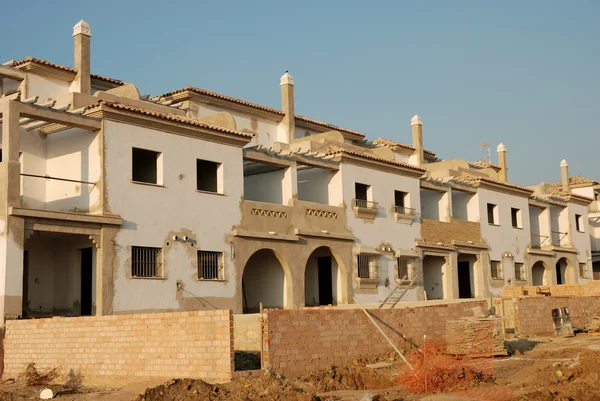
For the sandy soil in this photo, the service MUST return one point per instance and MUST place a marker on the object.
(539, 369)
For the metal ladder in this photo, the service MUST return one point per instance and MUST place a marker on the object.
(397, 293)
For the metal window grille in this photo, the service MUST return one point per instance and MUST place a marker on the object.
(210, 265)
(496, 269)
(404, 269)
(368, 266)
(405, 210)
(519, 271)
(583, 270)
(146, 262)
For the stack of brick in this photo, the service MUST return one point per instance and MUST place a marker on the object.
(475, 337)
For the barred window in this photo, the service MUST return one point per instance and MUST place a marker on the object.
(404, 269)
(146, 262)
(210, 265)
(583, 270)
(368, 266)
(520, 271)
(496, 269)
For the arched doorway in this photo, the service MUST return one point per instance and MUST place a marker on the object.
(264, 280)
(561, 271)
(538, 274)
(322, 278)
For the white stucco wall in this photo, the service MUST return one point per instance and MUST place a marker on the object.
(539, 220)
(45, 87)
(384, 228)
(266, 187)
(151, 212)
(504, 238)
(313, 185)
(434, 205)
(581, 239)
(465, 205)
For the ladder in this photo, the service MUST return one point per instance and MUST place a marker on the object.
(397, 293)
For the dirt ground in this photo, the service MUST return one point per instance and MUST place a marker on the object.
(539, 369)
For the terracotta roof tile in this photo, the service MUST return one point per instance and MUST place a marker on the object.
(483, 164)
(475, 179)
(335, 150)
(330, 126)
(169, 117)
(222, 97)
(576, 180)
(388, 143)
(30, 59)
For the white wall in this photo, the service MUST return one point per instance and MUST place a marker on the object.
(504, 237)
(384, 228)
(434, 205)
(151, 212)
(313, 185)
(434, 269)
(580, 240)
(585, 191)
(266, 187)
(465, 205)
(539, 220)
(559, 224)
(45, 87)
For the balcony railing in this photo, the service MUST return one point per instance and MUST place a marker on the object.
(364, 203)
(405, 210)
(538, 240)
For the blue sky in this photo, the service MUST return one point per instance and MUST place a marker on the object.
(525, 73)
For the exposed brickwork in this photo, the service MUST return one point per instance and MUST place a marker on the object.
(125, 347)
(533, 316)
(433, 231)
(590, 288)
(298, 341)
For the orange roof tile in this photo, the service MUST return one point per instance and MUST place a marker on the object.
(330, 126)
(169, 117)
(30, 59)
(476, 179)
(392, 144)
(333, 150)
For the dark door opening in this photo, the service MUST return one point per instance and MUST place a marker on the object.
(464, 280)
(559, 277)
(25, 299)
(86, 282)
(325, 281)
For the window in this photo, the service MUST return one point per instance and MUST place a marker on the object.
(210, 265)
(207, 176)
(368, 266)
(579, 222)
(361, 193)
(492, 212)
(515, 216)
(146, 262)
(145, 166)
(405, 270)
(520, 271)
(496, 269)
(401, 203)
(583, 270)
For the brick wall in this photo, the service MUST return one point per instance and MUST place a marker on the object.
(298, 341)
(589, 288)
(533, 316)
(125, 347)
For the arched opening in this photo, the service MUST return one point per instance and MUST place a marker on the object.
(538, 274)
(322, 278)
(264, 280)
(561, 271)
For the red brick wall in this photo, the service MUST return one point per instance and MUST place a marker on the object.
(533, 316)
(125, 347)
(589, 288)
(298, 341)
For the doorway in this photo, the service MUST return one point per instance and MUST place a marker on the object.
(86, 282)
(464, 280)
(325, 280)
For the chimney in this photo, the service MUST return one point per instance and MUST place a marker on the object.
(288, 124)
(503, 173)
(82, 34)
(417, 138)
(564, 175)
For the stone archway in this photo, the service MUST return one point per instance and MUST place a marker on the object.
(266, 278)
(539, 274)
(324, 278)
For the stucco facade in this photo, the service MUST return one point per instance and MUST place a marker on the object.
(111, 203)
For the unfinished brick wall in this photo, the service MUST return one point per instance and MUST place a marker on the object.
(589, 288)
(533, 316)
(298, 341)
(125, 347)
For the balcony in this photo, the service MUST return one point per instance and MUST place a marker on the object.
(539, 241)
(364, 209)
(404, 214)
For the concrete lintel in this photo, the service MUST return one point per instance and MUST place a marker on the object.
(564, 249)
(276, 237)
(11, 73)
(340, 236)
(541, 252)
(63, 229)
(260, 157)
(65, 216)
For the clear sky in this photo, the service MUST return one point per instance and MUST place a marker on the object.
(525, 73)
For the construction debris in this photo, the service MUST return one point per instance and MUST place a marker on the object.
(594, 325)
(562, 322)
(475, 337)
(46, 394)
